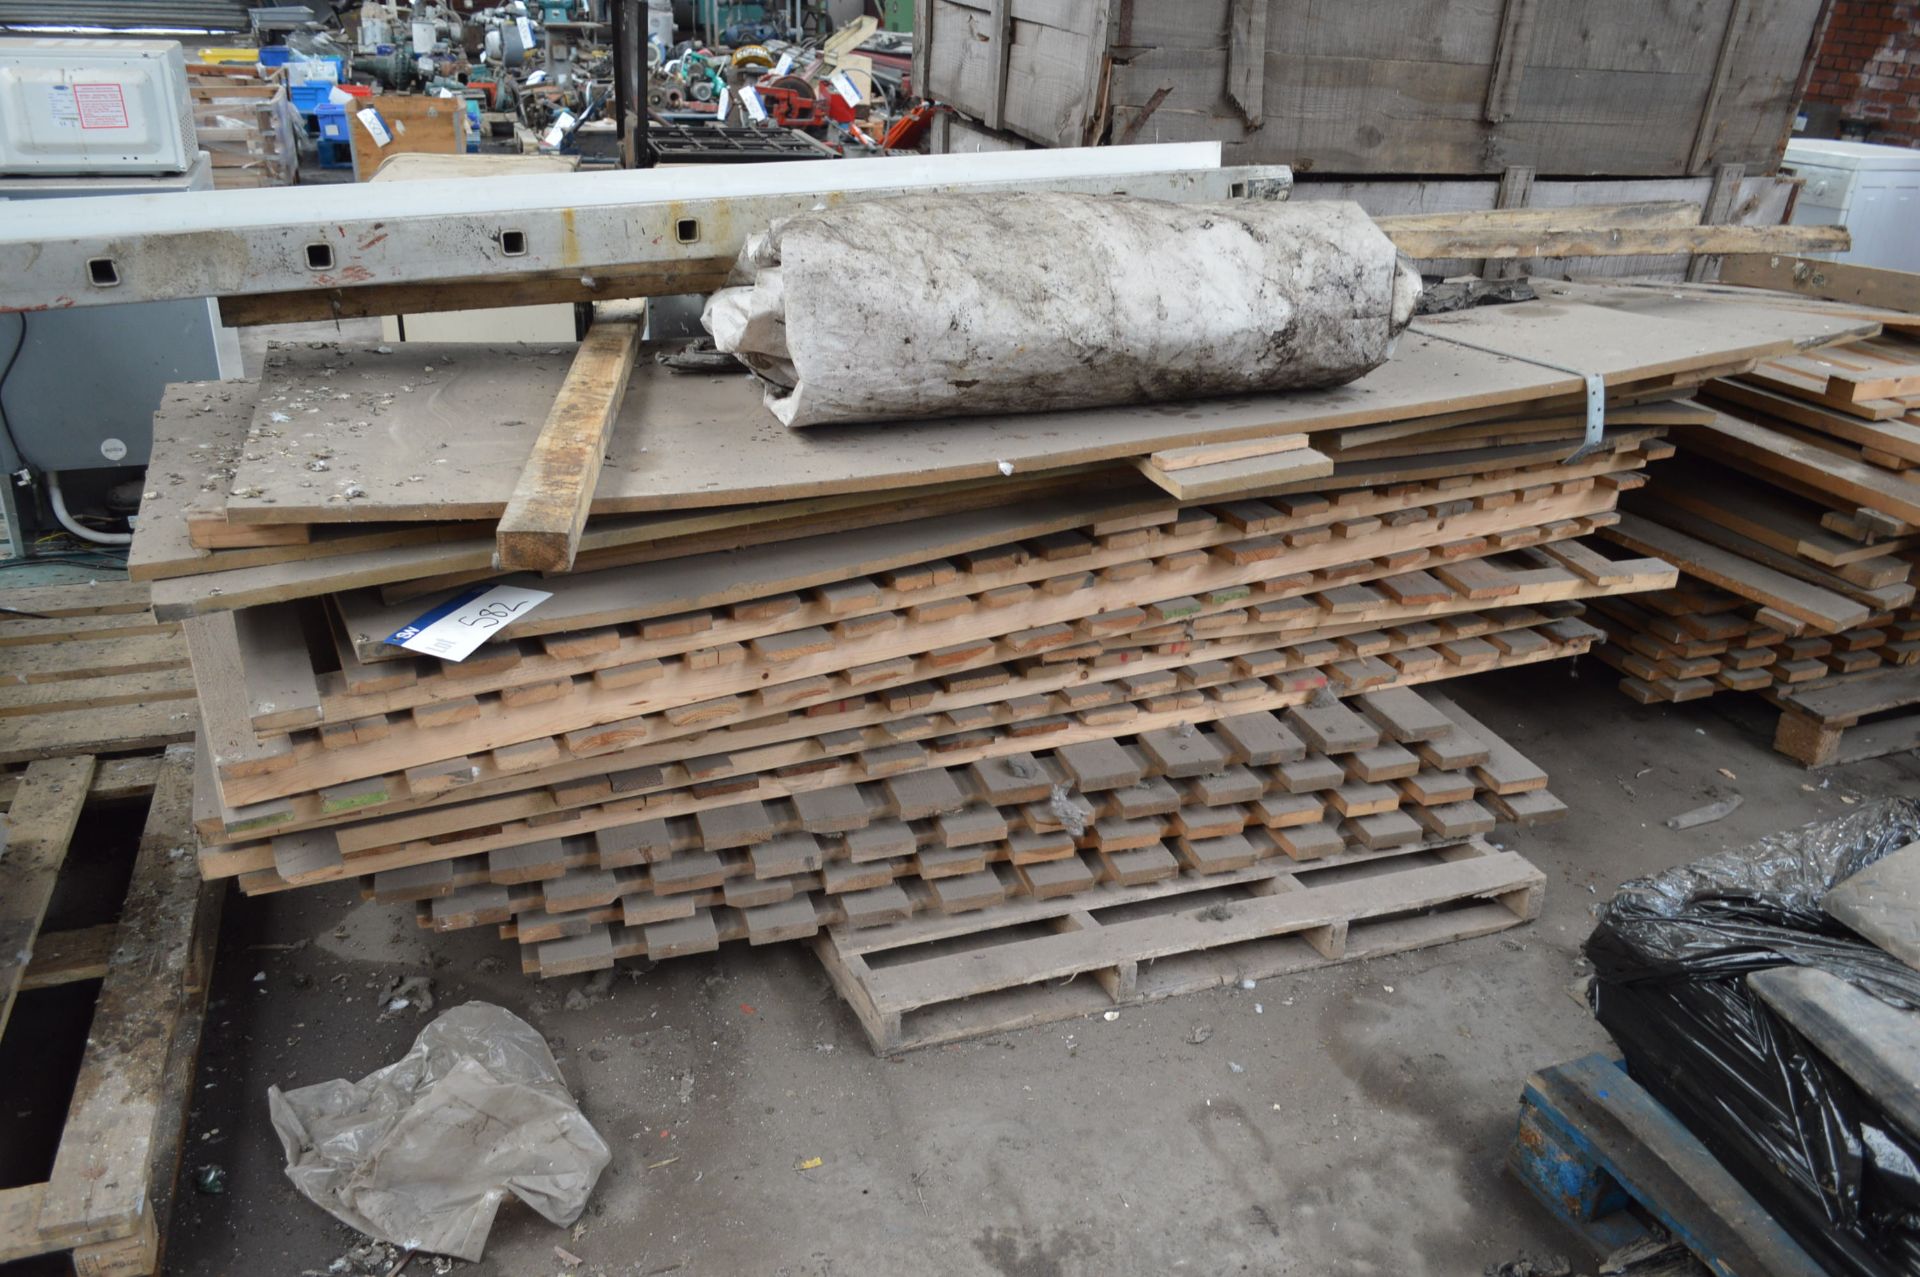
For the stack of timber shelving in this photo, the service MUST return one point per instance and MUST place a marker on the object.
(1071, 680)
(1794, 516)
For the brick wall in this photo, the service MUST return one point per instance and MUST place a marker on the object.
(1869, 69)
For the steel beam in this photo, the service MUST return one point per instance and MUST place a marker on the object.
(672, 225)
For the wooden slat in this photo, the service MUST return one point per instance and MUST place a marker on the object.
(63, 957)
(1822, 608)
(113, 779)
(1618, 242)
(99, 1188)
(45, 811)
(1233, 478)
(1830, 281)
(541, 528)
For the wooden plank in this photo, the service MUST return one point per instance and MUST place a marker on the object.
(45, 810)
(63, 957)
(1208, 454)
(1879, 598)
(1247, 58)
(1510, 57)
(1233, 478)
(1619, 242)
(1830, 281)
(95, 693)
(117, 729)
(999, 53)
(1847, 701)
(1722, 67)
(97, 598)
(479, 393)
(1824, 609)
(99, 1188)
(1882, 903)
(225, 709)
(1616, 1124)
(102, 658)
(540, 530)
(113, 779)
(1506, 770)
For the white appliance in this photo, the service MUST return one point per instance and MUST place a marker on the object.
(94, 106)
(1873, 191)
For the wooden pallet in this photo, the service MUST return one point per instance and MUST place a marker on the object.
(931, 980)
(88, 669)
(246, 128)
(112, 1177)
(1850, 719)
(1609, 1161)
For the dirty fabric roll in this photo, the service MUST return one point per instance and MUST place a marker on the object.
(935, 305)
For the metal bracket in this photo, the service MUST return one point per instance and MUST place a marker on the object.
(1595, 384)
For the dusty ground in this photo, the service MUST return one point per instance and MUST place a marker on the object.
(1363, 1136)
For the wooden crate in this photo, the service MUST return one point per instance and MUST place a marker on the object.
(112, 1179)
(246, 126)
(1382, 86)
(936, 979)
(434, 126)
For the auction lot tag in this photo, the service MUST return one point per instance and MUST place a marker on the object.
(454, 629)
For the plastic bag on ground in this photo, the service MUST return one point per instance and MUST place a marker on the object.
(1671, 955)
(422, 1152)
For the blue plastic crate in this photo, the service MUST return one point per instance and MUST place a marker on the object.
(334, 154)
(309, 98)
(333, 123)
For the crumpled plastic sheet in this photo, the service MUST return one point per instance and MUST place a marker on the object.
(422, 1152)
(1671, 955)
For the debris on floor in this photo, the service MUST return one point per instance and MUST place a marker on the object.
(420, 1153)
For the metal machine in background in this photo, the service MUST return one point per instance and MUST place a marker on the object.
(78, 387)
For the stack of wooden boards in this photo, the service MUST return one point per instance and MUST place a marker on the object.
(943, 682)
(1794, 515)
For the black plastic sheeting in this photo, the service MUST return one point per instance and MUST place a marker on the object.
(1671, 955)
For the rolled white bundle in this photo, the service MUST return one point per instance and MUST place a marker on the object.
(943, 305)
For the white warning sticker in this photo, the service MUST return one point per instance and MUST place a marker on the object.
(101, 106)
(61, 106)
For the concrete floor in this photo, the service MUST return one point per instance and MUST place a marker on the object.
(1364, 1134)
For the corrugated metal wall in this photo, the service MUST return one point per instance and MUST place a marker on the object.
(208, 15)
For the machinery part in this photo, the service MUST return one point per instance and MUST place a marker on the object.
(1145, 300)
(311, 240)
(791, 102)
(73, 525)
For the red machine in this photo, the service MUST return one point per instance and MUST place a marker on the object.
(791, 101)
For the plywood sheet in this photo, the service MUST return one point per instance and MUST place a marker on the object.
(441, 432)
